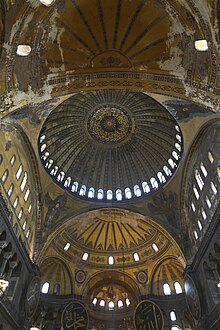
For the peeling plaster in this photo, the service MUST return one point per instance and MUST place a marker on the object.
(60, 48)
(174, 64)
(52, 36)
(205, 11)
(35, 3)
(20, 98)
(200, 97)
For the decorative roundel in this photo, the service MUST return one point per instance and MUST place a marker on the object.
(80, 276)
(192, 297)
(110, 145)
(75, 316)
(109, 124)
(148, 316)
(142, 277)
(32, 296)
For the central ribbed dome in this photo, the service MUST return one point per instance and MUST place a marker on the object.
(110, 145)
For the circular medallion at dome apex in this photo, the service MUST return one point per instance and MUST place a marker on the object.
(109, 124)
(110, 145)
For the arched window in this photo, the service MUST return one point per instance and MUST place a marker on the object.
(91, 192)
(100, 194)
(146, 187)
(24, 225)
(209, 204)
(85, 256)
(12, 161)
(127, 301)
(66, 247)
(45, 287)
(167, 171)
(173, 316)
(154, 183)
(172, 163)
(24, 181)
(120, 304)
(127, 193)
(193, 207)
(136, 256)
(54, 170)
(111, 260)
(56, 289)
(178, 146)
(29, 208)
(210, 157)
(177, 288)
(49, 163)
(178, 137)
(199, 179)
(177, 128)
(214, 189)
(42, 138)
(94, 301)
(43, 147)
(109, 194)
(15, 204)
(27, 194)
(28, 233)
(111, 305)
(67, 182)
(45, 156)
(5, 176)
(175, 155)
(75, 186)
(19, 171)
(203, 169)
(166, 289)
(102, 303)
(60, 176)
(161, 177)
(10, 190)
(20, 214)
(155, 247)
(199, 225)
(118, 195)
(175, 327)
(82, 191)
(203, 213)
(137, 191)
(196, 234)
(196, 193)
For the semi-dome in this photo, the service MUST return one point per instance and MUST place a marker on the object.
(110, 145)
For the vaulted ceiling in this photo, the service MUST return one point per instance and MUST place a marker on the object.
(92, 64)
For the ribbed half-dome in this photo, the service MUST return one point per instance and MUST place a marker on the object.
(110, 145)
